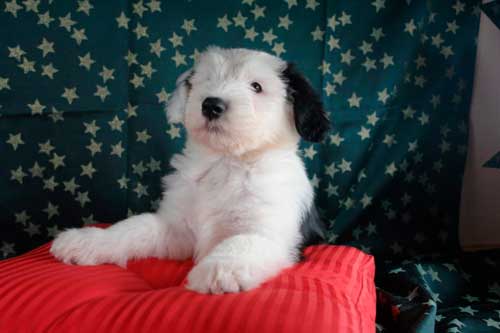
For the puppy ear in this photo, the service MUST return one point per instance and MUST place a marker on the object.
(311, 119)
(176, 104)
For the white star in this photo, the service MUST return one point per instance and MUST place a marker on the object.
(66, 22)
(354, 100)
(154, 6)
(131, 58)
(45, 148)
(366, 48)
(279, 48)
(141, 31)
(86, 61)
(50, 184)
(143, 136)
(16, 52)
(291, 3)
(387, 60)
(223, 23)
(79, 35)
(37, 171)
(467, 309)
(258, 12)
(122, 21)
(141, 190)
(147, 70)
(91, 128)
(285, 22)
(345, 19)
(458, 7)
(116, 124)
(239, 20)
(452, 27)
(130, 110)
(117, 149)
(347, 57)
(82, 198)
(333, 43)
(189, 26)
(49, 71)
(36, 107)
(32, 229)
(331, 170)
(71, 186)
(123, 182)
(176, 40)
(377, 34)
(336, 139)
(364, 133)
(367, 201)
(56, 115)
(85, 7)
(12, 7)
(447, 51)
(269, 36)
(378, 4)
(139, 8)
(372, 118)
(27, 66)
(179, 59)
(424, 118)
(154, 165)
(391, 169)
(492, 323)
(22, 217)
(51, 210)
(339, 78)
(18, 175)
(53, 231)
(46, 47)
(383, 96)
(162, 96)
(57, 161)
(345, 166)
(107, 74)
(332, 190)
(408, 112)
(250, 33)
(410, 27)
(94, 147)
(310, 152)
(174, 132)
(88, 170)
(70, 94)
(137, 81)
(311, 4)
(317, 34)
(369, 64)
(45, 19)
(102, 92)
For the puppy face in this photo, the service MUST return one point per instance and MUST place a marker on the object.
(237, 101)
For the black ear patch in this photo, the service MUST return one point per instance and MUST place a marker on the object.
(311, 120)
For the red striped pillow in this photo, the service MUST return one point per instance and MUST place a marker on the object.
(332, 290)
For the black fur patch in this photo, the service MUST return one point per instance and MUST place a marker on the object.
(311, 120)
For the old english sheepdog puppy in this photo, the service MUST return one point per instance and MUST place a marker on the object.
(239, 201)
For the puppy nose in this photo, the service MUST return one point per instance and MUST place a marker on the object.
(212, 107)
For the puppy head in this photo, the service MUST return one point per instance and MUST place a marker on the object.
(236, 101)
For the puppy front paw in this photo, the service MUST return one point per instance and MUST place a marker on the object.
(78, 246)
(222, 275)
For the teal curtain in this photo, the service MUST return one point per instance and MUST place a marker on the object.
(84, 138)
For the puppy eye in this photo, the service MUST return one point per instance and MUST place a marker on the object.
(256, 87)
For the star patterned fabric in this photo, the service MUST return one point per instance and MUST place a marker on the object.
(84, 137)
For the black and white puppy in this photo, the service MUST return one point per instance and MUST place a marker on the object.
(239, 202)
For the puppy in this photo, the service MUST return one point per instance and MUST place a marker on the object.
(239, 201)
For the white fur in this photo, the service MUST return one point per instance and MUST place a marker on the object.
(239, 190)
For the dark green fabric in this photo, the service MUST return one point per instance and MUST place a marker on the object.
(83, 134)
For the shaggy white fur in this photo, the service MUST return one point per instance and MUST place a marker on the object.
(239, 191)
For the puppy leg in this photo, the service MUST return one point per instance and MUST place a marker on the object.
(239, 263)
(141, 236)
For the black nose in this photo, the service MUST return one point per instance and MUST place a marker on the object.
(212, 107)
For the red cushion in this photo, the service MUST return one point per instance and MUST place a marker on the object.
(332, 290)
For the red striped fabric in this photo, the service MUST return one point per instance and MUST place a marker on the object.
(332, 290)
